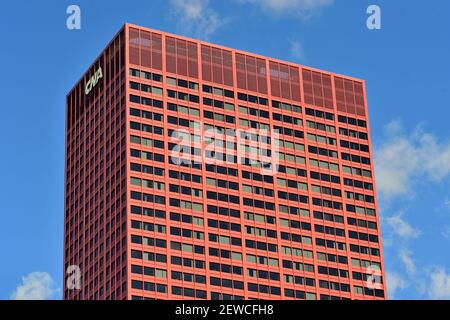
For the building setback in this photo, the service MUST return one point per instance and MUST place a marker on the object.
(141, 225)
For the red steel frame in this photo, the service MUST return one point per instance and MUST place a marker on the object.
(93, 281)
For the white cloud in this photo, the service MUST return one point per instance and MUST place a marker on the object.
(35, 286)
(408, 261)
(395, 282)
(196, 17)
(446, 232)
(303, 8)
(439, 287)
(402, 160)
(447, 203)
(402, 228)
(297, 51)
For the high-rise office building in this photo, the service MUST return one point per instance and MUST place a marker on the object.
(195, 171)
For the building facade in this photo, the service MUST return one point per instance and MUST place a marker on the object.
(195, 171)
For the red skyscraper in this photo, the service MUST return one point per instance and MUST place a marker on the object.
(195, 171)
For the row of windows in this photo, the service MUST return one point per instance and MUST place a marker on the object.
(291, 170)
(224, 296)
(334, 286)
(186, 190)
(182, 83)
(354, 146)
(287, 119)
(363, 236)
(254, 112)
(327, 203)
(225, 268)
(218, 117)
(326, 190)
(261, 232)
(189, 248)
(148, 271)
(218, 104)
(150, 184)
(151, 242)
(320, 126)
(353, 134)
(146, 128)
(259, 204)
(226, 283)
(352, 121)
(147, 101)
(331, 244)
(258, 190)
(296, 252)
(358, 184)
(188, 263)
(253, 124)
(143, 88)
(325, 177)
(227, 93)
(148, 256)
(185, 176)
(148, 286)
(295, 238)
(188, 292)
(321, 139)
(185, 218)
(261, 245)
(145, 75)
(183, 96)
(286, 106)
(222, 183)
(364, 250)
(182, 109)
(148, 212)
(181, 122)
(136, 167)
(355, 158)
(299, 280)
(332, 258)
(222, 197)
(329, 230)
(146, 114)
(187, 233)
(257, 177)
(359, 197)
(287, 264)
(188, 277)
(295, 265)
(224, 225)
(252, 99)
(249, 202)
(225, 239)
(319, 114)
(322, 152)
(147, 226)
(289, 132)
(361, 210)
(148, 197)
(226, 254)
(218, 91)
(357, 171)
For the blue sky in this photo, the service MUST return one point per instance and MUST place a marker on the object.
(405, 64)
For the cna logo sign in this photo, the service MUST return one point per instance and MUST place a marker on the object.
(93, 81)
